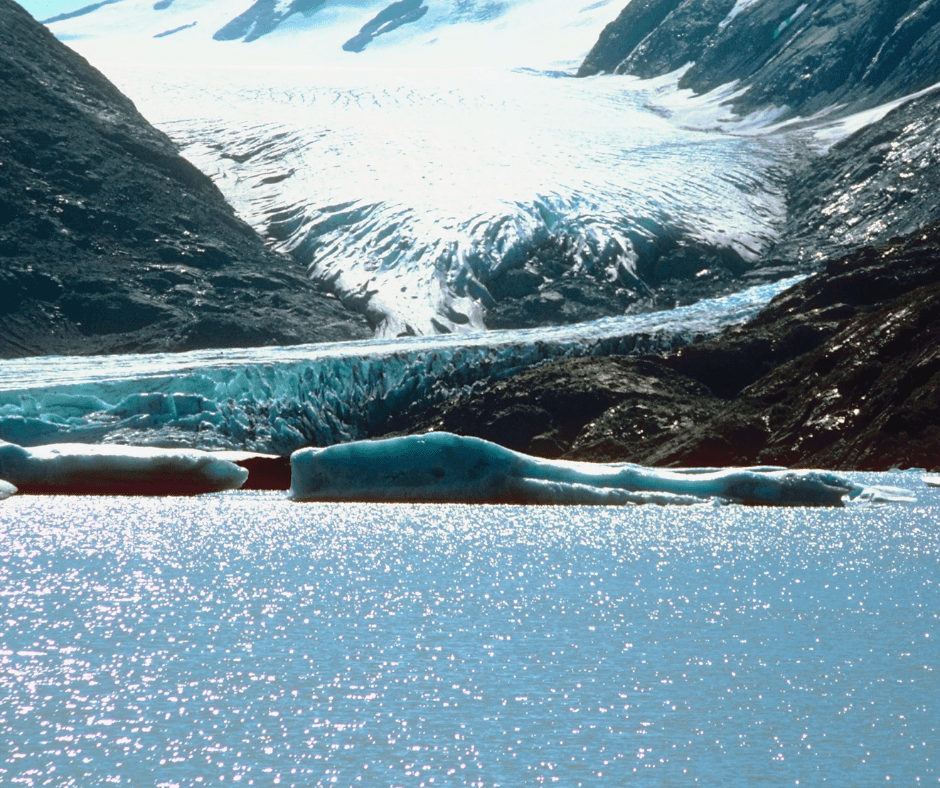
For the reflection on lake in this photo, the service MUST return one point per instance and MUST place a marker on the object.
(241, 638)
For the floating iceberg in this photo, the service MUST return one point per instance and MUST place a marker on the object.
(445, 468)
(6, 489)
(116, 470)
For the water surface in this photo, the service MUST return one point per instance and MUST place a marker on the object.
(241, 638)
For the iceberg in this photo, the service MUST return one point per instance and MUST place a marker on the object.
(116, 470)
(445, 468)
(6, 489)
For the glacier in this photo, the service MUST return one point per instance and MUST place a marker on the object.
(277, 400)
(443, 468)
(411, 176)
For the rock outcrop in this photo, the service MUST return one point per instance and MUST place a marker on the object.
(880, 183)
(790, 54)
(841, 371)
(112, 242)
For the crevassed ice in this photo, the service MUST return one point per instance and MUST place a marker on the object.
(407, 194)
(411, 174)
(280, 399)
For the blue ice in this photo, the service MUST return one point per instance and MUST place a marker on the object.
(109, 469)
(445, 468)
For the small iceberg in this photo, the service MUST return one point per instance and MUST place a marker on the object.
(932, 480)
(6, 489)
(445, 468)
(76, 468)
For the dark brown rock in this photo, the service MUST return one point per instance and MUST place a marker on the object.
(841, 371)
(574, 408)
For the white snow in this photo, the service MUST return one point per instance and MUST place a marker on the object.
(445, 468)
(410, 175)
(6, 489)
(739, 6)
(115, 470)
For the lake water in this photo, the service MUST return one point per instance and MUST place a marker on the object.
(244, 639)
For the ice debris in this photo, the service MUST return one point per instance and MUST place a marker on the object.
(6, 489)
(116, 470)
(445, 468)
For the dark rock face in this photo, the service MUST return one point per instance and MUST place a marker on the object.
(568, 405)
(865, 394)
(880, 183)
(401, 12)
(841, 371)
(549, 286)
(112, 242)
(261, 18)
(807, 56)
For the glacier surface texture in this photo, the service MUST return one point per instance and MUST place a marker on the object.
(444, 165)
(277, 400)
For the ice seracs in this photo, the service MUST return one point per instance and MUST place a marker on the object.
(116, 470)
(445, 468)
(278, 400)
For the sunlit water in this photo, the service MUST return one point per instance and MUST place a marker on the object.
(244, 639)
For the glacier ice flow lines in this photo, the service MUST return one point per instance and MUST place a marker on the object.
(423, 200)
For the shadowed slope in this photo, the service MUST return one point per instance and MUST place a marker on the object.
(110, 241)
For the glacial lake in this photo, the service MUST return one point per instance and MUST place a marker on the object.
(242, 639)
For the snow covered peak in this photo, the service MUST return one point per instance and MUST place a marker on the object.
(332, 32)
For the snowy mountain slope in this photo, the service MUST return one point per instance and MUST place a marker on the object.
(346, 33)
(800, 56)
(431, 184)
(110, 241)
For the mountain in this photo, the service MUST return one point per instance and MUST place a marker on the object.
(435, 166)
(840, 371)
(794, 57)
(110, 241)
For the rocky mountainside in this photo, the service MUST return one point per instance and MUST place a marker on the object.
(880, 183)
(784, 53)
(110, 241)
(841, 371)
